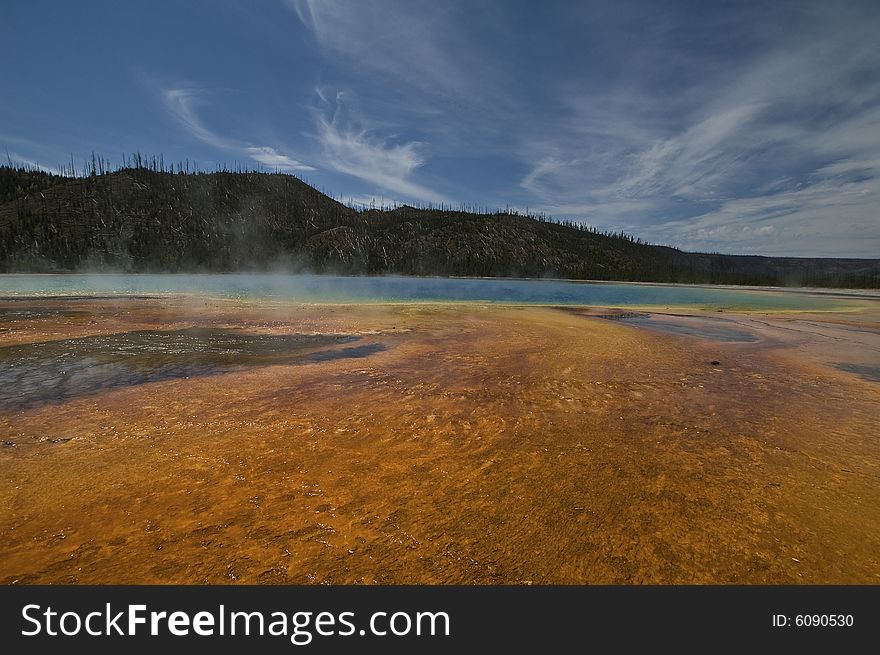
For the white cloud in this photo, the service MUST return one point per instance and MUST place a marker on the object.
(692, 164)
(834, 214)
(779, 155)
(350, 148)
(548, 166)
(273, 159)
(17, 160)
(181, 103)
(424, 45)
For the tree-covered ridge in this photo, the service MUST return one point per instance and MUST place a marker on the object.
(144, 218)
(19, 183)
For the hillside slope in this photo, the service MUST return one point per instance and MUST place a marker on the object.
(142, 220)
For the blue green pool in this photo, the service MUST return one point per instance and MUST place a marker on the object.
(337, 289)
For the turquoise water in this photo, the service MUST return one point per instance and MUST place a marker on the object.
(333, 289)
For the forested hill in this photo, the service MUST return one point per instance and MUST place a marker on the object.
(142, 219)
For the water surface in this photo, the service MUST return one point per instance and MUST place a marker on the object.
(336, 289)
(871, 373)
(704, 328)
(35, 374)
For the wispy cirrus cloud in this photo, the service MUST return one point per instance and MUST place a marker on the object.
(425, 65)
(774, 153)
(181, 103)
(268, 156)
(16, 159)
(828, 217)
(422, 45)
(349, 146)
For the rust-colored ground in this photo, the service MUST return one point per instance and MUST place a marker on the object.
(483, 445)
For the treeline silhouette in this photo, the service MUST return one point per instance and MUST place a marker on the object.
(154, 216)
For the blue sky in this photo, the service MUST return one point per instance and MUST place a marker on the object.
(725, 126)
